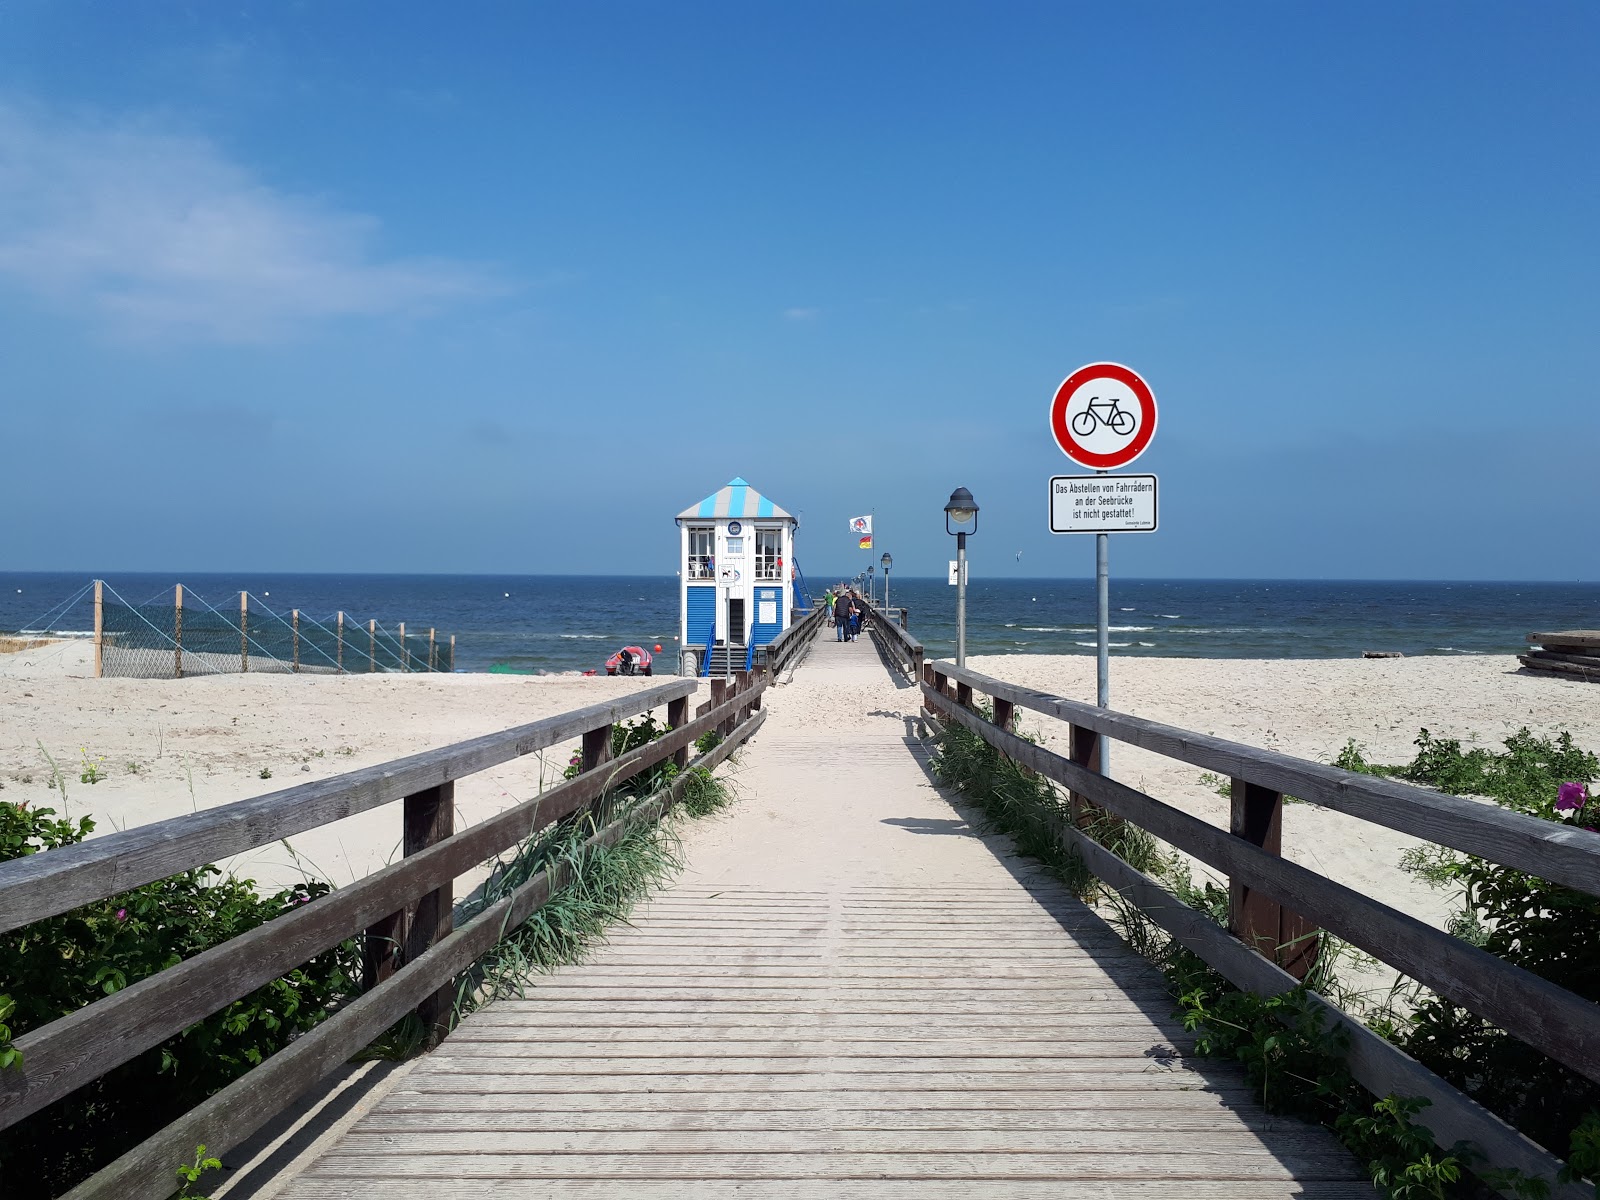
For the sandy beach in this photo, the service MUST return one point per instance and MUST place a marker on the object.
(166, 747)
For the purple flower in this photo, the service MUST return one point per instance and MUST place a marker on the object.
(1571, 797)
(122, 914)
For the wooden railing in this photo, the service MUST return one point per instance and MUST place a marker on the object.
(1275, 905)
(784, 649)
(896, 640)
(404, 911)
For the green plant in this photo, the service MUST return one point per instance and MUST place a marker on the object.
(56, 966)
(57, 779)
(1216, 783)
(10, 1056)
(266, 772)
(91, 772)
(189, 1174)
(1405, 1162)
(134, 768)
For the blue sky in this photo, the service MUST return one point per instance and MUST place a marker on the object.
(501, 287)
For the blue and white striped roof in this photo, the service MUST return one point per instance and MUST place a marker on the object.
(738, 499)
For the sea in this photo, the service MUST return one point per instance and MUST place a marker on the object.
(558, 623)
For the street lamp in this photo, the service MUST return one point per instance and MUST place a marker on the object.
(961, 510)
(870, 573)
(887, 563)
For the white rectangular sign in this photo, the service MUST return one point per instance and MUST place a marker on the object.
(967, 573)
(1103, 504)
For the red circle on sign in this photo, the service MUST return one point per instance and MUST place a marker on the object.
(1072, 447)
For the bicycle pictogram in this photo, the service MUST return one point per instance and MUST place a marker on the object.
(1107, 412)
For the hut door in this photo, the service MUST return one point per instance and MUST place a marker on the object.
(736, 622)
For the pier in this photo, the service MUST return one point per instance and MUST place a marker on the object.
(849, 991)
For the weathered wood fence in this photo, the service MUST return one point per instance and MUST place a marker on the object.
(785, 649)
(404, 911)
(903, 649)
(1276, 906)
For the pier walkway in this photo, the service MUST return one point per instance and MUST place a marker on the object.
(848, 992)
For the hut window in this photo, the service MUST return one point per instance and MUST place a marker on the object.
(701, 563)
(769, 554)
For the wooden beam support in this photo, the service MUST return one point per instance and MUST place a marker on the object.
(177, 632)
(429, 819)
(1256, 919)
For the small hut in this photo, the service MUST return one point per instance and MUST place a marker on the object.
(737, 564)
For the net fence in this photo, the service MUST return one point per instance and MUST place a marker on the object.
(185, 635)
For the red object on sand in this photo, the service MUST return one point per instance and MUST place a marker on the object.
(630, 660)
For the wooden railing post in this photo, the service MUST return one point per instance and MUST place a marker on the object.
(452, 653)
(177, 632)
(338, 639)
(677, 718)
(719, 693)
(1003, 712)
(99, 627)
(294, 618)
(405, 651)
(244, 631)
(1083, 749)
(964, 695)
(433, 651)
(596, 747)
(372, 646)
(429, 819)
(1256, 815)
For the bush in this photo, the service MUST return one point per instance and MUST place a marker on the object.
(58, 965)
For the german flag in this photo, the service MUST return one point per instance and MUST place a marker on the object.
(866, 542)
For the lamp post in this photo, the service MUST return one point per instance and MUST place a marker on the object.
(870, 573)
(961, 510)
(887, 562)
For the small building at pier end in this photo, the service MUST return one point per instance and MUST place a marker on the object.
(737, 568)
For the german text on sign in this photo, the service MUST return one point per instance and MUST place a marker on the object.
(1103, 504)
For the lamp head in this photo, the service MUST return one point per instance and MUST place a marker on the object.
(886, 561)
(961, 509)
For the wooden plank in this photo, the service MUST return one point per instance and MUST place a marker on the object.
(83, 1045)
(1567, 637)
(244, 1106)
(1558, 656)
(314, 1187)
(45, 885)
(724, 1083)
(1059, 1168)
(386, 1119)
(420, 1140)
(1549, 1018)
(460, 1096)
(1561, 854)
(1379, 1066)
(1566, 669)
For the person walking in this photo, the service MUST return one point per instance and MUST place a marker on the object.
(841, 617)
(857, 612)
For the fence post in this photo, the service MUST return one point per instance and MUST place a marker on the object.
(177, 631)
(338, 649)
(433, 652)
(1084, 749)
(405, 651)
(452, 654)
(677, 718)
(294, 617)
(596, 747)
(964, 694)
(372, 646)
(1274, 932)
(719, 693)
(99, 626)
(244, 631)
(429, 819)
(1003, 711)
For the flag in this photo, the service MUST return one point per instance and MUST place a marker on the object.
(859, 525)
(866, 542)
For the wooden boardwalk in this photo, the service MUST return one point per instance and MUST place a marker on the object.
(848, 993)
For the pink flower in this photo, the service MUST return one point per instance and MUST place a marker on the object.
(1571, 797)
(122, 914)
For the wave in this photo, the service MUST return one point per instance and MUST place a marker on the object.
(1147, 643)
(1113, 645)
(1127, 610)
(1169, 616)
(1455, 650)
(585, 637)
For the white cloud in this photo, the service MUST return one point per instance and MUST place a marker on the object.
(159, 234)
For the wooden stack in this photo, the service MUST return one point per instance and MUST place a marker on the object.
(1574, 653)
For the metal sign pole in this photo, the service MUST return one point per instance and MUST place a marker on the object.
(1102, 583)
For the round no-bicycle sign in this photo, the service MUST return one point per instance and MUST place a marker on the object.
(1103, 416)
